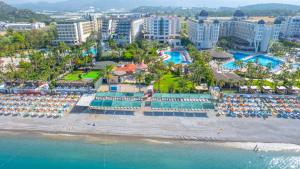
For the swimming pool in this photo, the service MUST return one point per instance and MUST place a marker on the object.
(175, 56)
(239, 55)
(260, 59)
(92, 51)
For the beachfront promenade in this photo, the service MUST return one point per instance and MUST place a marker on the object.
(212, 128)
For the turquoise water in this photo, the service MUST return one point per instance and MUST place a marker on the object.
(92, 51)
(175, 57)
(260, 59)
(35, 153)
(239, 56)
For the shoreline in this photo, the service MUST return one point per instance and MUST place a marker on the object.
(111, 139)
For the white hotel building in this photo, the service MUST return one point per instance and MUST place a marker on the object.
(164, 29)
(203, 32)
(248, 34)
(75, 32)
(122, 30)
(290, 26)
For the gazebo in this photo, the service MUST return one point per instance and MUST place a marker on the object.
(281, 90)
(267, 89)
(243, 89)
(220, 55)
(293, 90)
(254, 89)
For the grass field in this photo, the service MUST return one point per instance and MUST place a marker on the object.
(75, 76)
(171, 80)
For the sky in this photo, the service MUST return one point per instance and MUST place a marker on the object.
(201, 3)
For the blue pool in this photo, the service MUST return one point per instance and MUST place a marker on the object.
(92, 51)
(175, 57)
(260, 59)
(239, 56)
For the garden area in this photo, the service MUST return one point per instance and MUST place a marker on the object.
(173, 84)
(79, 75)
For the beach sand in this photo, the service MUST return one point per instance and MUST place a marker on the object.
(245, 133)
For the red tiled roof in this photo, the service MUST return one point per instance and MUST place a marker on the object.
(129, 68)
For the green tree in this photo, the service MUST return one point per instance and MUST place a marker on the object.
(139, 77)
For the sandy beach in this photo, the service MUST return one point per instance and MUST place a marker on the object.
(211, 129)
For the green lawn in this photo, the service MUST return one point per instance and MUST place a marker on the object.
(75, 76)
(169, 80)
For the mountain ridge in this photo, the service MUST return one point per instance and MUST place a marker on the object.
(72, 5)
(12, 14)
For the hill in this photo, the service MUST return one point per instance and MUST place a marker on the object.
(272, 6)
(163, 6)
(12, 14)
(271, 9)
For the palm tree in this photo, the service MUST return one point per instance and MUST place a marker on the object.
(221, 84)
(107, 74)
(139, 77)
(182, 85)
(239, 63)
(231, 83)
(219, 64)
(275, 80)
(197, 72)
(159, 75)
(171, 88)
(170, 66)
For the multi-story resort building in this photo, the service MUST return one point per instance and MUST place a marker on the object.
(122, 30)
(22, 26)
(250, 34)
(203, 32)
(164, 29)
(290, 26)
(75, 32)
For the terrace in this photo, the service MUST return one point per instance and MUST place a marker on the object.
(116, 100)
(181, 102)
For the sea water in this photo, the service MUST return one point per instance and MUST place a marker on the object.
(32, 152)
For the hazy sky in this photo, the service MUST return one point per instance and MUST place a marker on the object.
(202, 3)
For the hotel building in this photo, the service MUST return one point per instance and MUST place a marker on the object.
(290, 26)
(250, 34)
(164, 29)
(75, 32)
(203, 32)
(122, 30)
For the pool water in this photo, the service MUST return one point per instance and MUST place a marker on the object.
(92, 51)
(175, 57)
(239, 56)
(263, 60)
(296, 66)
